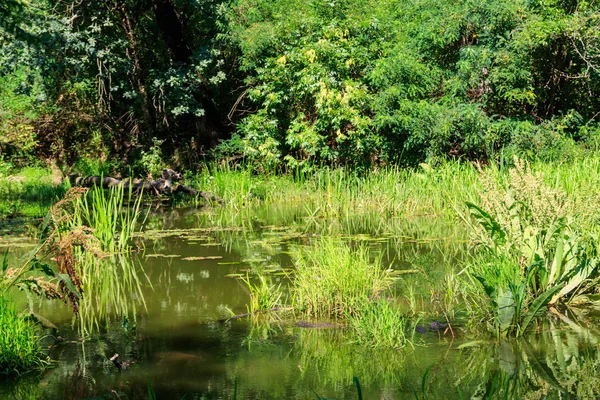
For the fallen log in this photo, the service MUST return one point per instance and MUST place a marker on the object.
(165, 185)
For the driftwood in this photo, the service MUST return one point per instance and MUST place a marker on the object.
(165, 185)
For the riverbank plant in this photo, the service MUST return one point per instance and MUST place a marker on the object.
(29, 191)
(336, 281)
(19, 342)
(533, 255)
(380, 323)
(113, 283)
(264, 295)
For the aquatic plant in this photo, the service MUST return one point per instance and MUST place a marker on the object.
(60, 279)
(333, 280)
(113, 215)
(380, 324)
(19, 348)
(264, 296)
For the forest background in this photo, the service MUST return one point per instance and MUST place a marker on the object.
(131, 85)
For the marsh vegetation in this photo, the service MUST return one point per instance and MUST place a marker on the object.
(410, 199)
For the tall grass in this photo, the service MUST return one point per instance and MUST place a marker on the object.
(19, 348)
(263, 295)
(113, 215)
(380, 324)
(111, 284)
(386, 201)
(29, 192)
(334, 281)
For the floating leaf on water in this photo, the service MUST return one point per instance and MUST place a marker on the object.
(230, 263)
(210, 244)
(234, 275)
(276, 228)
(202, 258)
(163, 255)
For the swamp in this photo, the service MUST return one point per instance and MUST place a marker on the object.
(288, 199)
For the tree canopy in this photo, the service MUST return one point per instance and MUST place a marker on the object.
(297, 84)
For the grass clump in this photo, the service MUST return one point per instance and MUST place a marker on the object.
(264, 296)
(334, 281)
(19, 348)
(112, 214)
(380, 324)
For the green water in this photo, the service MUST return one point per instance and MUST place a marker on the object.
(179, 349)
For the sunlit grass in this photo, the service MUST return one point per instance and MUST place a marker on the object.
(264, 295)
(380, 323)
(334, 281)
(19, 348)
(113, 215)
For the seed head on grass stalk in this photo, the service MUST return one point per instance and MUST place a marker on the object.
(56, 242)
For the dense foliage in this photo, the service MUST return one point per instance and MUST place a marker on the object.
(296, 83)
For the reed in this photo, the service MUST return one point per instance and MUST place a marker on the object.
(264, 296)
(380, 324)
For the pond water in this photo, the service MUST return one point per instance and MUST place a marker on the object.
(178, 348)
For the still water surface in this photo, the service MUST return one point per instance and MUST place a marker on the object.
(179, 349)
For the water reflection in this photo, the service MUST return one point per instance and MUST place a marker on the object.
(178, 346)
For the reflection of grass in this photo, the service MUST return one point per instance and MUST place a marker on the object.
(111, 289)
(328, 356)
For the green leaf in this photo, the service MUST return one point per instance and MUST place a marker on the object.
(37, 265)
(359, 391)
(46, 323)
(489, 289)
(555, 271)
(506, 310)
(538, 303)
(68, 283)
(493, 228)
(473, 343)
(584, 270)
